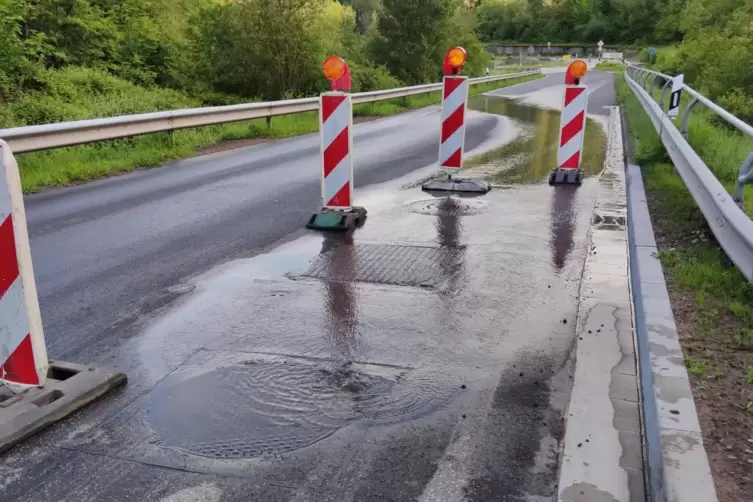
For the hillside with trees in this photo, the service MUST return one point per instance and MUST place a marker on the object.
(73, 59)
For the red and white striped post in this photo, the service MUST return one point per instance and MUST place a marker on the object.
(336, 135)
(572, 127)
(454, 102)
(452, 135)
(23, 355)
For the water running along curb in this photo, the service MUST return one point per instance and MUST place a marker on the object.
(602, 457)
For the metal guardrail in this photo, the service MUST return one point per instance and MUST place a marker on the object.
(44, 137)
(730, 225)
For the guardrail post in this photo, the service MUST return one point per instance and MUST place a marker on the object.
(269, 122)
(653, 81)
(664, 92)
(745, 177)
(686, 117)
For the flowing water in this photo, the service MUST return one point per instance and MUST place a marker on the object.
(530, 157)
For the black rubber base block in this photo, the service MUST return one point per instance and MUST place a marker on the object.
(69, 387)
(472, 185)
(337, 221)
(566, 177)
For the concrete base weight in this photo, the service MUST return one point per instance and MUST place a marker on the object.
(68, 388)
(566, 177)
(471, 185)
(339, 221)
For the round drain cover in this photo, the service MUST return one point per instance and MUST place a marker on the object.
(449, 206)
(267, 408)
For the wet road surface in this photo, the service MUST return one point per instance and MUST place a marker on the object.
(106, 253)
(425, 357)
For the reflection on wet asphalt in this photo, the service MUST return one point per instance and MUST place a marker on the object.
(563, 223)
(341, 300)
(424, 356)
(532, 156)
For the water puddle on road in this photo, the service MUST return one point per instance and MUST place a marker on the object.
(530, 157)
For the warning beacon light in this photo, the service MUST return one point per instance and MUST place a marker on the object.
(454, 60)
(575, 72)
(337, 72)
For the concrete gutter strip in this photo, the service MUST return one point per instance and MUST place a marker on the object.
(603, 455)
(682, 472)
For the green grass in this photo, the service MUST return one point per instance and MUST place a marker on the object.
(711, 299)
(698, 367)
(696, 262)
(65, 166)
(610, 66)
(721, 147)
(514, 68)
(399, 105)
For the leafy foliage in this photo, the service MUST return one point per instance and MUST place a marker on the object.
(66, 59)
(173, 52)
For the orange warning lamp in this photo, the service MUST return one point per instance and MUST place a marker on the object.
(575, 71)
(578, 68)
(334, 68)
(337, 72)
(454, 60)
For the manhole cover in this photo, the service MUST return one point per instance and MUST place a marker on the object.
(449, 206)
(384, 264)
(272, 405)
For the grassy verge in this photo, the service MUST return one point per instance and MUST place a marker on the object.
(610, 66)
(65, 166)
(393, 106)
(514, 68)
(711, 300)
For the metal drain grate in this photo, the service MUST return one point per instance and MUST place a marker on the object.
(383, 264)
(608, 222)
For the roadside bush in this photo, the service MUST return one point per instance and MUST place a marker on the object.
(718, 64)
(738, 103)
(76, 93)
(371, 78)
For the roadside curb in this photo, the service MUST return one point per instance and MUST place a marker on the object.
(677, 465)
(602, 455)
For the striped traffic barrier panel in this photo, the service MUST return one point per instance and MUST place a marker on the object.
(454, 102)
(335, 130)
(23, 355)
(41, 391)
(336, 135)
(572, 128)
(452, 131)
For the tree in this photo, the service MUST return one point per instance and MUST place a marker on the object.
(413, 38)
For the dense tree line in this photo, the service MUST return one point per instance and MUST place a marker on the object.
(70, 59)
(712, 40)
(568, 21)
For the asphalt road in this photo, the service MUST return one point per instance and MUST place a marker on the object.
(106, 252)
(427, 358)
